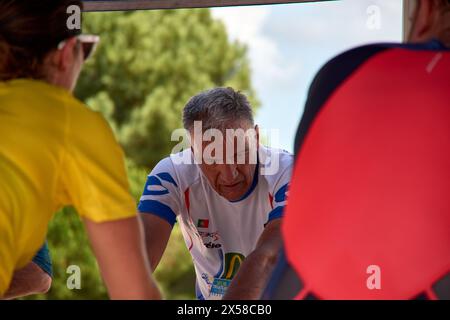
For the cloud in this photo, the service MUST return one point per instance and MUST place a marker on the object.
(275, 35)
(336, 22)
(247, 25)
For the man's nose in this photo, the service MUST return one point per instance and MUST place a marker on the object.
(229, 173)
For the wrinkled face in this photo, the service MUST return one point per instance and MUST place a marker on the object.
(228, 159)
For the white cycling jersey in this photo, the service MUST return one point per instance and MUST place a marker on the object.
(218, 233)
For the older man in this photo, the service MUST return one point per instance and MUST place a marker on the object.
(228, 201)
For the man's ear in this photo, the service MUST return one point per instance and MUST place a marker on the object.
(425, 18)
(64, 57)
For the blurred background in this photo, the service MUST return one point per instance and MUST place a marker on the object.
(149, 63)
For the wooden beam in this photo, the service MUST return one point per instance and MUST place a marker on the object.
(98, 5)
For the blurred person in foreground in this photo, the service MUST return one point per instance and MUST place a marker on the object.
(368, 215)
(54, 151)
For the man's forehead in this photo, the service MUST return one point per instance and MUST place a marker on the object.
(222, 125)
(231, 138)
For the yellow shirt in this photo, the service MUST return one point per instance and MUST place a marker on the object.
(54, 151)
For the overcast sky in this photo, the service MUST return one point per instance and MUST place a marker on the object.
(289, 43)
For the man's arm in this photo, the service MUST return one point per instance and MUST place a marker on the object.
(27, 281)
(157, 233)
(120, 251)
(253, 275)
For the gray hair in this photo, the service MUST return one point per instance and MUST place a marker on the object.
(217, 108)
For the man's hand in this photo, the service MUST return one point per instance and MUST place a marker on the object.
(27, 281)
(253, 275)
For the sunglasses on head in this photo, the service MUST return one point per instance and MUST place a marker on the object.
(88, 44)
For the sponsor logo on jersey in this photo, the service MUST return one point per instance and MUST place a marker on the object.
(212, 245)
(214, 236)
(208, 280)
(210, 239)
(233, 261)
(219, 286)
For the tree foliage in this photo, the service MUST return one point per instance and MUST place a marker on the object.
(148, 66)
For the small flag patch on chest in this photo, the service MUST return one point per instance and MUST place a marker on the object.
(203, 223)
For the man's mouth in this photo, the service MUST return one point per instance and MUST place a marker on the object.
(230, 186)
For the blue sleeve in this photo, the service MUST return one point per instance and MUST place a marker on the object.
(158, 209)
(276, 213)
(43, 259)
(160, 196)
(279, 202)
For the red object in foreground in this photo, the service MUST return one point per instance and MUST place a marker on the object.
(371, 185)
